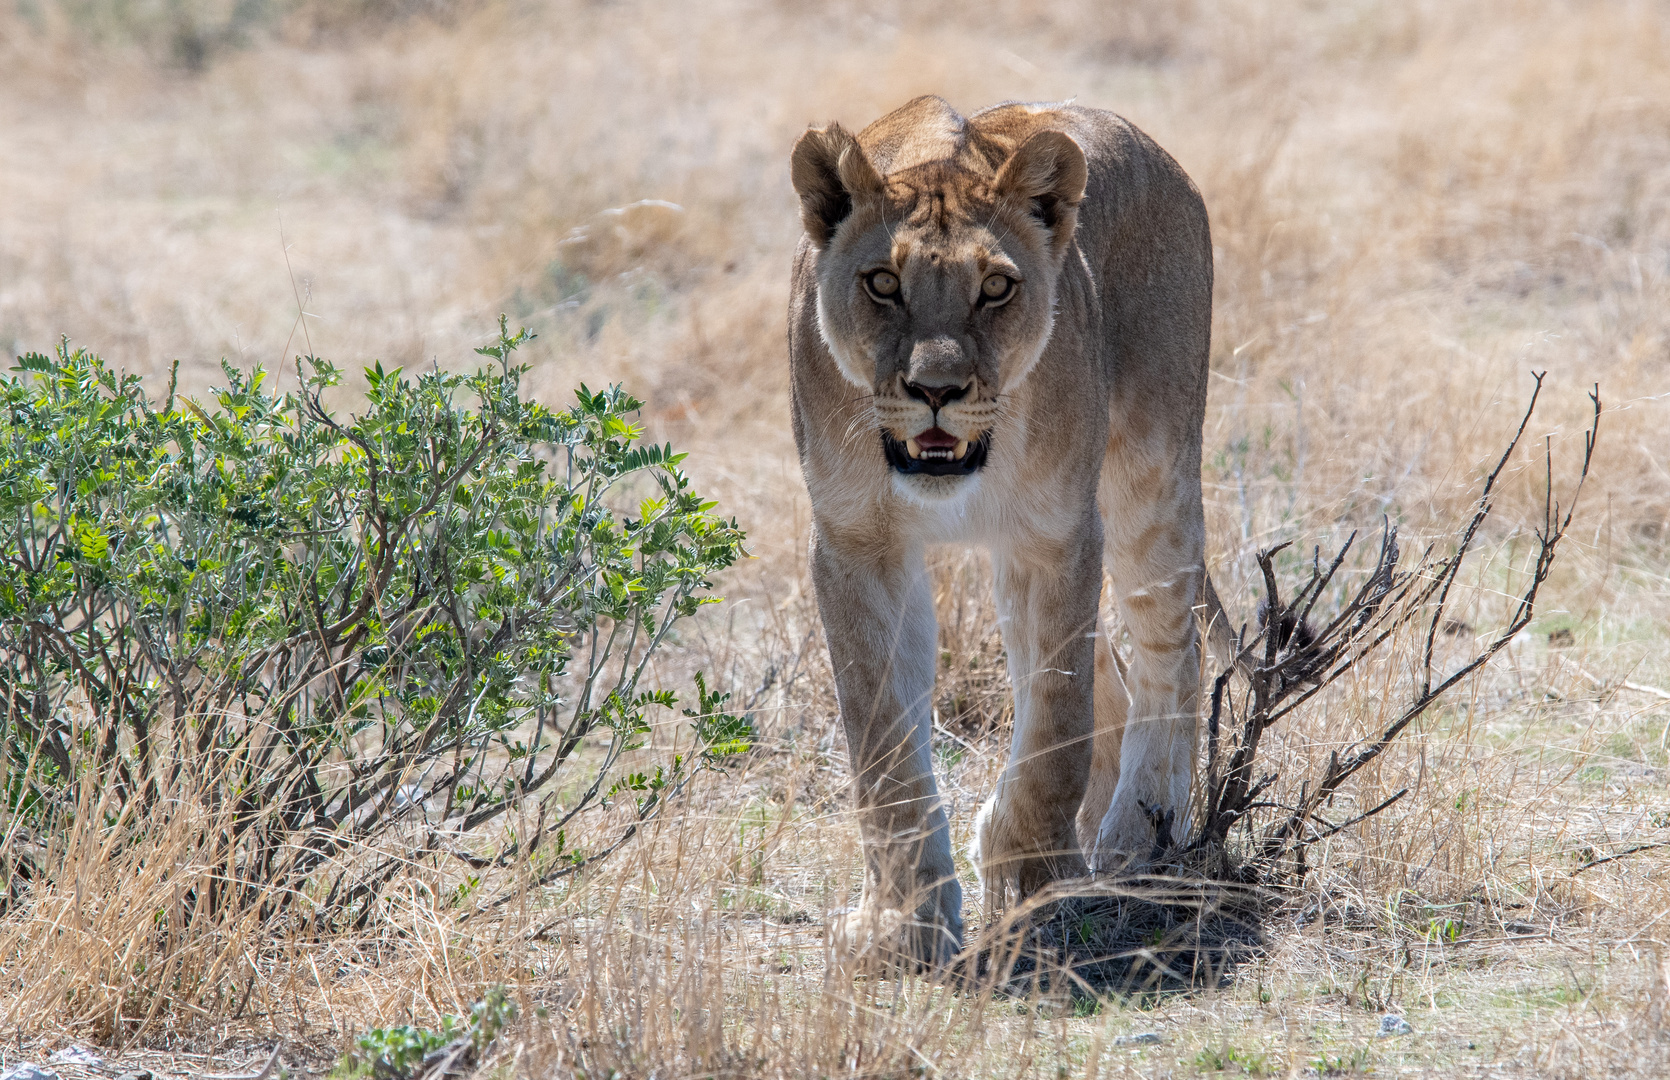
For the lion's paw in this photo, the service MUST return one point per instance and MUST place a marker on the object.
(1134, 833)
(877, 937)
(1016, 857)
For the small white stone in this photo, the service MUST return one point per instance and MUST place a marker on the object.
(28, 1070)
(1392, 1025)
(1146, 1038)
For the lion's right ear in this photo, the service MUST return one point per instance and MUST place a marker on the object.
(830, 173)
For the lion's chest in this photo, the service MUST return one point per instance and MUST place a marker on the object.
(1000, 510)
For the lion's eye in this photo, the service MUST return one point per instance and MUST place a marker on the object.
(883, 284)
(996, 289)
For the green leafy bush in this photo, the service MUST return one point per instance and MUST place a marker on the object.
(398, 1053)
(392, 628)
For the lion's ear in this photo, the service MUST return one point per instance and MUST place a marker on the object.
(830, 173)
(1046, 176)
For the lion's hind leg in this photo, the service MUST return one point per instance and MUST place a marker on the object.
(1156, 541)
(1113, 702)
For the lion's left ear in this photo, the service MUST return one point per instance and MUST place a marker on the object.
(1046, 176)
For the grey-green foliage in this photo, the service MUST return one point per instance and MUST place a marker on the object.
(192, 33)
(339, 631)
(182, 32)
(398, 1053)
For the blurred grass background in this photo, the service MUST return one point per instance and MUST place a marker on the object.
(1413, 205)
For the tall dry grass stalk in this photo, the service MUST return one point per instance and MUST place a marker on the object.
(1412, 205)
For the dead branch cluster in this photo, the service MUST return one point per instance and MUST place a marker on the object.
(1288, 662)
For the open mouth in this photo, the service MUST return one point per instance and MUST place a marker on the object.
(936, 453)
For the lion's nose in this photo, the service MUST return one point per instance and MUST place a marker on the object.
(939, 370)
(937, 397)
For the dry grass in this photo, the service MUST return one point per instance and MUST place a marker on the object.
(1413, 205)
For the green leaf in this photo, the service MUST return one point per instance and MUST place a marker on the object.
(94, 543)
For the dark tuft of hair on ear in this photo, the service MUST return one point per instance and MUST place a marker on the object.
(830, 173)
(1045, 209)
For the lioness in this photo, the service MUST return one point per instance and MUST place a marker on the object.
(998, 332)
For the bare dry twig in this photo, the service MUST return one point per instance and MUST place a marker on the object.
(1616, 855)
(1288, 664)
(264, 1073)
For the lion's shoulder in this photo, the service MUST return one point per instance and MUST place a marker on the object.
(923, 130)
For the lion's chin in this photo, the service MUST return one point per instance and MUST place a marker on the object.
(935, 491)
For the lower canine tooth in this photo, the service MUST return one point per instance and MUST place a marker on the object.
(914, 447)
(962, 448)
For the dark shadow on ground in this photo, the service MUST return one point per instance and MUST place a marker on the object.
(1141, 935)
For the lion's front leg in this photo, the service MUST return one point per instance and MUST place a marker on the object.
(878, 616)
(1026, 835)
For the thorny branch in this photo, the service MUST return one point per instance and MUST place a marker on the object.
(1288, 663)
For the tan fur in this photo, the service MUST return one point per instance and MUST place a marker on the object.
(1091, 383)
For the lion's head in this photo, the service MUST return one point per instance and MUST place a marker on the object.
(937, 275)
